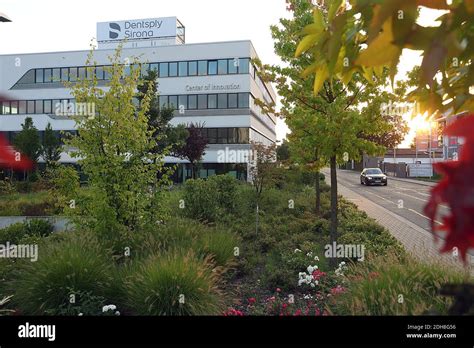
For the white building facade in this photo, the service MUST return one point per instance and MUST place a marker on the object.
(214, 84)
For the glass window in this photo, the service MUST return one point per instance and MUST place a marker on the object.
(72, 74)
(233, 136)
(22, 107)
(192, 68)
(48, 73)
(99, 72)
(82, 73)
(64, 74)
(154, 66)
(232, 101)
(212, 135)
(39, 75)
(145, 68)
(222, 101)
(47, 107)
(213, 67)
(14, 107)
(202, 67)
(192, 102)
(222, 67)
(39, 107)
(29, 77)
(183, 102)
(244, 65)
(233, 66)
(164, 69)
(212, 101)
(56, 75)
(173, 100)
(4, 108)
(243, 100)
(173, 69)
(183, 69)
(163, 101)
(202, 101)
(222, 136)
(243, 135)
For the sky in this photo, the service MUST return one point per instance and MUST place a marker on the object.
(63, 25)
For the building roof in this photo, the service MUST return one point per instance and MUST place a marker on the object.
(412, 153)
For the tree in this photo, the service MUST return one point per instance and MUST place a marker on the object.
(328, 117)
(27, 141)
(116, 150)
(262, 171)
(283, 151)
(51, 149)
(194, 147)
(168, 137)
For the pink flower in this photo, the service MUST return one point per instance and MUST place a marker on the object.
(252, 300)
(231, 312)
(318, 274)
(337, 290)
(278, 290)
(298, 312)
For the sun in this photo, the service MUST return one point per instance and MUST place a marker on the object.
(419, 123)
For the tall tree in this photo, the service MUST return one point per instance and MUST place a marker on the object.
(51, 149)
(329, 117)
(194, 147)
(27, 141)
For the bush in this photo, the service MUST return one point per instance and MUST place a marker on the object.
(375, 286)
(6, 187)
(32, 228)
(75, 264)
(226, 191)
(172, 284)
(200, 199)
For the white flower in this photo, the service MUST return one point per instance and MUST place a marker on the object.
(109, 308)
(297, 251)
(312, 285)
(316, 258)
(117, 313)
(81, 314)
(310, 269)
(310, 254)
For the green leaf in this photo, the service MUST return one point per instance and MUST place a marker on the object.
(319, 19)
(309, 70)
(305, 44)
(335, 5)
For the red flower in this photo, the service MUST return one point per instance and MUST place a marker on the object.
(337, 290)
(284, 305)
(252, 300)
(456, 189)
(298, 312)
(231, 312)
(278, 290)
(318, 274)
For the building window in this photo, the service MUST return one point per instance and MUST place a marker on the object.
(202, 101)
(202, 67)
(163, 69)
(212, 135)
(39, 107)
(222, 136)
(163, 101)
(233, 66)
(243, 136)
(82, 73)
(243, 100)
(173, 101)
(154, 67)
(222, 101)
(99, 72)
(222, 67)
(233, 101)
(173, 70)
(192, 68)
(212, 101)
(144, 69)
(183, 68)
(22, 107)
(48, 73)
(14, 107)
(56, 75)
(192, 102)
(39, 76)
(73, 74)
(47, 107)
(64, 74)
(183, 102)
(233, 136)
(244, 65)
(212, 67)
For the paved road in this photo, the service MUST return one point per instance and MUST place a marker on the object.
(402, 198)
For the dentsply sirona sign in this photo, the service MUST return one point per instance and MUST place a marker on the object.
(137, 29)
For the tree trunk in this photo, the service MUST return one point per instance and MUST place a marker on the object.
(333, 229)
(318, 194)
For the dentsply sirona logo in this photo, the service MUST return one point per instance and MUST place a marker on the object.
(114, 30)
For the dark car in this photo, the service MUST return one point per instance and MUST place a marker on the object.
(373, 176)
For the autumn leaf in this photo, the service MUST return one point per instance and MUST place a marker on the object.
(306, 44)
(431, 62)
(322, 73)
(381, 51)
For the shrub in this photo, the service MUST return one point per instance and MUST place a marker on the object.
(219, 245)
(172, 284)
(76, 264)
(17, 232)
(375, 287)
(6, 187)
(200, 199)
(226, 191)
(13, 233)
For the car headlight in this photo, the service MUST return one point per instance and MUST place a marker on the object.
(369, 177)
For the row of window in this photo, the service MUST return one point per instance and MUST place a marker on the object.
(214, 135)
(164, 69)
(185, 102)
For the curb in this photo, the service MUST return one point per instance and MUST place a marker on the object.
(412, 181)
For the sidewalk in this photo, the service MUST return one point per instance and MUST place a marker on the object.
(416, 240)
(414, 181)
